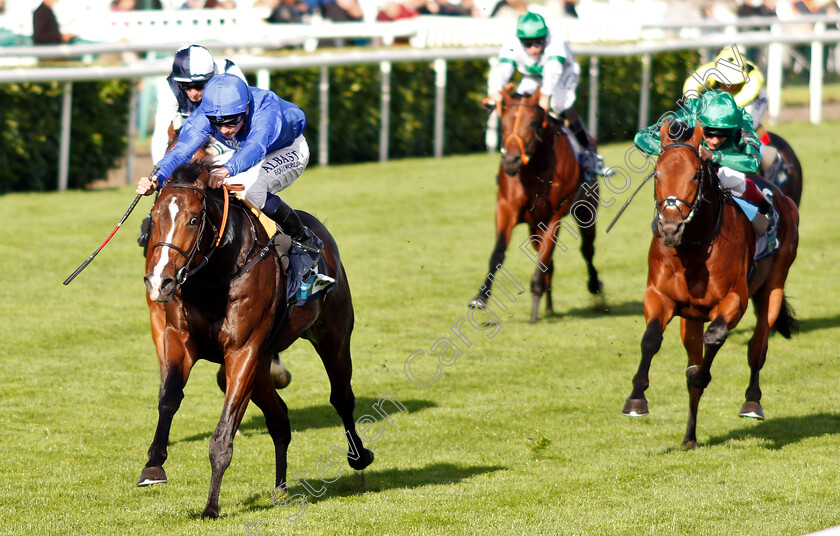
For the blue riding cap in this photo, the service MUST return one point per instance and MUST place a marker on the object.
(225, 95)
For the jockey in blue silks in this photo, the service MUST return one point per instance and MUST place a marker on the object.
(179, 94)
(268, 150)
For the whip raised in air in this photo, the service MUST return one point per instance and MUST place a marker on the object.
(95, 253)
(626, 203)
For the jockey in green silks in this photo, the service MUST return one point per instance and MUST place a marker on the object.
(729, 141)
(546, 62)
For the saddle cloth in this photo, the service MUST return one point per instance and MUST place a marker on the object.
(768, 243)
(295, 262)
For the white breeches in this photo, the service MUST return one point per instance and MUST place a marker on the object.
(732, 180)
(758, 108)
(276, 172)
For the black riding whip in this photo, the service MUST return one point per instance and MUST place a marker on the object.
(626, 203)
(95, 253)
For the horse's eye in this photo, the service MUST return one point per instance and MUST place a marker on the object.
(193, 221)
(502, 150)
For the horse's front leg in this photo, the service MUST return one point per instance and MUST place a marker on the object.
(658, 312)
(175, 365)
(240, 372)
(506, 219)
(726, 316)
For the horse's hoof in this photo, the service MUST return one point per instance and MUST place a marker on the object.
(690, 444)
(635, 407)
(594, 286)
(281, 376)
(152, 475)
(364, 460)
(479, 302)
(752, 410)
(210, 513)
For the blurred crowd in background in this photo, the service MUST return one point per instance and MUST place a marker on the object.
(303, 11)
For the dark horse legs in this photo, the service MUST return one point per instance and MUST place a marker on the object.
(240, 380)
(637, 405)
(587, 241)
(547, 238)
(277, 421)
(169, 400)
(334, 350)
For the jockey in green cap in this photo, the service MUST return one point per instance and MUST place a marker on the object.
(729, 141)
(546, 63)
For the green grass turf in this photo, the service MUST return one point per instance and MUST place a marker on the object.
(523, 434)
(801, 95)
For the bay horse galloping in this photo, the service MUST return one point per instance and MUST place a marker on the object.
(223, 296)
(539, 179)
(699, 268)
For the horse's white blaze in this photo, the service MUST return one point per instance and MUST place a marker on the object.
(156, 277)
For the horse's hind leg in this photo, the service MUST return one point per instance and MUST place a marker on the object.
(276, 420)
(757, 353)
(334, 349)
(549, 275)
(279, 374)
(587, 243)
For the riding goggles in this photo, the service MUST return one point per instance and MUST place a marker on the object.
(199, 85)
(709, 132)
(226, 120)
(528, 43)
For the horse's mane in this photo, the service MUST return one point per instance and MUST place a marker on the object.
(188, 173)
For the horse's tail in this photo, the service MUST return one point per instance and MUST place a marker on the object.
(786, 323)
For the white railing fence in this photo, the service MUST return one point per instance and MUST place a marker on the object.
(774, 41)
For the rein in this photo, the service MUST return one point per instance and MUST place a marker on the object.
(185, 272)
(515, 134)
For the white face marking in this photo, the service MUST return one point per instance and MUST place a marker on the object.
(155, 279)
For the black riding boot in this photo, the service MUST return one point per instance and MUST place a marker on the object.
(578, 128)
(590, 160)
(291, 224)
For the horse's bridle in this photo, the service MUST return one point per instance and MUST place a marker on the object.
(515, 134)
(674, 202)
(184, 272)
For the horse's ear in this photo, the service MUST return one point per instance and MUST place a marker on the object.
(697, 136)
(664, 138)
(506, 92)
(534, 99)
(201, 180)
